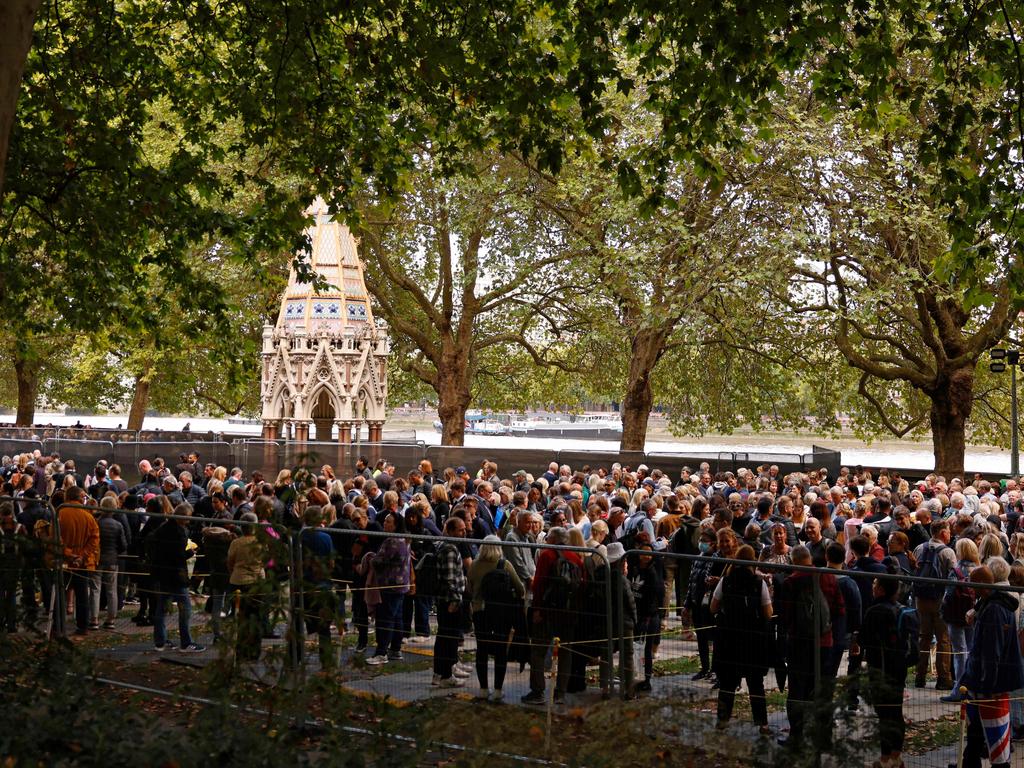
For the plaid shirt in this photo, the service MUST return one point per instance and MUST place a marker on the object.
(451, 579)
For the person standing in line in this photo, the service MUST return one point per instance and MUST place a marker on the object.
(113, 544)
(886, 661)
(169, 546)
(994, 667)
(496, 592)
(392, 571)
(80, 537)
(245, 559)
(742, 607)
(451, 588)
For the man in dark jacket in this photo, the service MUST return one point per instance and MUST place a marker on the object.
(169, 555)
(845, 627)
(993, 669)
(810, 646)
(887, 668)
(190, 491)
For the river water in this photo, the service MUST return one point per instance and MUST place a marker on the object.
(910, 455)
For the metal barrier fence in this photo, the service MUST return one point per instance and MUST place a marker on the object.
(269, 457)
(267, 630)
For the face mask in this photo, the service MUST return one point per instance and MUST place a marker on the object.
(705, 547)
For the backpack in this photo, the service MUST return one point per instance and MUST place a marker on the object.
(426, 574)
(908, 632)
(43, 532)
(813, 617)
(741, 607)
(957, 600)
(905, 591)
(632, 527)
(928, 567)
(499, 594)
(594, 601)
(684, 540)
(496, 587)
(563, 587)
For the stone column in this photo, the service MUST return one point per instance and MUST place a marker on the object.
(302, 431)
(270, 429)
(344, 431)
(376, 431)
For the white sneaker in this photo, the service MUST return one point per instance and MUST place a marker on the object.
(459, 673)
(376, 661)
(497, 695)
(452, 682)
(467, 668)
(435, 680)
(419, 640)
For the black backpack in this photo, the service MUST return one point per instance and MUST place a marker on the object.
(426, 574)
(499, 595)
(685, 540)
(741, 603)
(630, 529)
(563, 587)
(928, 567)
(497, 588)
(813, 616)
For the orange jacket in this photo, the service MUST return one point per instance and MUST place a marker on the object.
(80, 535)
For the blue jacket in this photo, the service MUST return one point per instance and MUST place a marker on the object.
(994, 663)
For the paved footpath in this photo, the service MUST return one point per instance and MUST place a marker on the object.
(409, 682)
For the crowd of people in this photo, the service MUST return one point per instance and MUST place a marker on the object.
(796, 574)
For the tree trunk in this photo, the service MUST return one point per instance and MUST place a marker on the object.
(27, 374)
(453, 398)
(17, 17)
(140, 402)
(646, 350)
(952, 401)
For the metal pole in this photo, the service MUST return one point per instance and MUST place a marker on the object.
(609, 636)
(816, 638)
(1014, 455)
(57, 599)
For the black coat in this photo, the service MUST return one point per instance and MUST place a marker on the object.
(168, 557)
(741, 631)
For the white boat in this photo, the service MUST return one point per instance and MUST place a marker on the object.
(587, 426)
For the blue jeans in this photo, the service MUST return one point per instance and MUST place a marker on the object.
(418, 607)
(960, 641)
(180, 596)
(389, 622)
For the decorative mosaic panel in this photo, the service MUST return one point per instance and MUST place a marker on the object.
(326, 310)
(356, 311)
(294, 311)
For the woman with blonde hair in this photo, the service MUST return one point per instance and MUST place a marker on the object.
(957, 600)
(494, 599)
(598, 533)
(639, 496)
(991, 546)
(439, 504)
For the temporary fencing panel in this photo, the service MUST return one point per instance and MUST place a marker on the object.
(269, 457)
(509, 460)
(405, 456)
(13, 447)
(86, 453)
